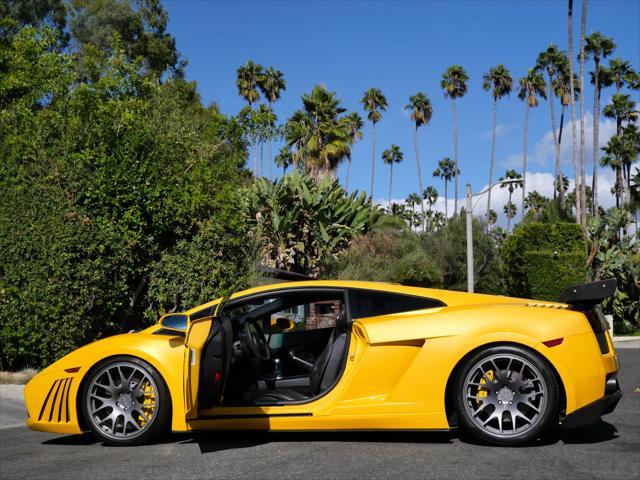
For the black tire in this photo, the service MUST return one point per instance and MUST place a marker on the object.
(159, 423)
(506, 389)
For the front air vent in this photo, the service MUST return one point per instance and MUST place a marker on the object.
(56, 404)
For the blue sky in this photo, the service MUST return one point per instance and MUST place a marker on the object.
(402, 48)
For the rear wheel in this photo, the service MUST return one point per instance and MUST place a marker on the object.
(125, 401)
(506, 396)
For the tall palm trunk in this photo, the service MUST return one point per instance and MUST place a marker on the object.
(493, 154)
(373, 156)
(572, 103)
(524, 158)
(455, 156)
(390, 183)
(255, 160)
(446, 199)
(561, 125)
(270, 154)
(261, 158)
(596, 133)
(619, 182)
(583, 180)
(558, 168)
(415, 145)
(509, 214)
(253, 150)
(346, 186)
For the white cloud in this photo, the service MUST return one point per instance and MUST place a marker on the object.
(542, 182)
(542, 153)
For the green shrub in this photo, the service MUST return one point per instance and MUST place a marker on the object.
(541, 259)
(303, 224)
(389, 253)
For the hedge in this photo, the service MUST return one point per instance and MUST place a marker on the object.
(541, 259)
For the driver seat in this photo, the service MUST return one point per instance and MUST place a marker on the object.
(324, 373)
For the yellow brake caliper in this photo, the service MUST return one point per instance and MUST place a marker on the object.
(483, 391)
(149, 404)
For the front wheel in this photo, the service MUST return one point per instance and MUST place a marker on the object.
(125, 401)
(506, 396)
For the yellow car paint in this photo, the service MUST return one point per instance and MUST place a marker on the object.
(396, 372)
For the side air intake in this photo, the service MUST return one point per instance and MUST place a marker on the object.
(56, 404)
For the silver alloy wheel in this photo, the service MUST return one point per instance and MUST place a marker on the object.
(505, 394)
(122, 400)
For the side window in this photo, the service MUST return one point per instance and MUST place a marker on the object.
(319, 311)
(292, 311)
(371, 303)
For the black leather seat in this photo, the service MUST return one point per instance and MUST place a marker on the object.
(322, 376)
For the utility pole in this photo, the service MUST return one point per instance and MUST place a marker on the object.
(469, 214)
(468, 211)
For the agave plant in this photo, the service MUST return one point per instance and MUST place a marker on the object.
(303, 224)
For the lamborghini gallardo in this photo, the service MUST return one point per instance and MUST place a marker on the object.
(342, 355)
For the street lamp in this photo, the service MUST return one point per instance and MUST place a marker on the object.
(469, 214)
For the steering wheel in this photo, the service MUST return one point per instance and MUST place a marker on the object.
(253, 339)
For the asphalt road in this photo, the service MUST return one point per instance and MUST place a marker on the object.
(610, 449)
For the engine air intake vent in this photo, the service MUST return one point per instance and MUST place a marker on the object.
(546, 305)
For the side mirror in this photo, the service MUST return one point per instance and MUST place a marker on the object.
(175, 321)
(283, 324)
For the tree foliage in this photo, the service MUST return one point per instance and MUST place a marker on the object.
(110, 181)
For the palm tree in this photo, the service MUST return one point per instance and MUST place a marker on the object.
(430, 195)
(562, 90)
(284, 159)
(572, 85)
(271, 83)
(390, 156)
(583, 180)
(374, 103)
(499, 81)
(265, 122)
(511, 175)
(561, 185)
(421, 112)
(510, 211)
(552, 61)
(247, 77)
(563, 87)
(454, 84)
(530, 88)
(597, 46)
(317, 134)
(355, 125)
(622, 109)
(621, 72)
(412, 200)
(491, 219)
(534, 202)
(446, 170)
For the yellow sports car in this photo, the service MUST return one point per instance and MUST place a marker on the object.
(342, 355)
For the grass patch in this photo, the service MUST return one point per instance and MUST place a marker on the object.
(17, 378)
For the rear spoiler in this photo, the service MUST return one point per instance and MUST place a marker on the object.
(588, 295)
